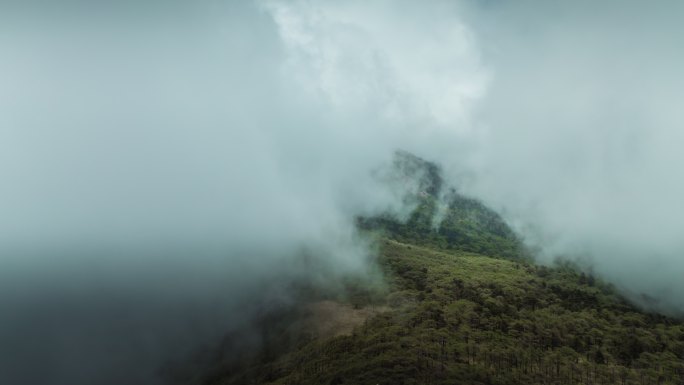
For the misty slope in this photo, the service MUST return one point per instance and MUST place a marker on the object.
(463, 303)
(458, 317)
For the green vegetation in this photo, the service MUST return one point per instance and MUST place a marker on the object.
(464, 318)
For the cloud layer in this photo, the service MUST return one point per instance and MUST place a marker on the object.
(164, 165)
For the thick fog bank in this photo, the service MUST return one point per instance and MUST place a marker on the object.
(170, 170)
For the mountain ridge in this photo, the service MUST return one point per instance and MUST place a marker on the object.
(462, 301)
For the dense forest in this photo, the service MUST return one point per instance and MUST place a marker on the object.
(458, 317)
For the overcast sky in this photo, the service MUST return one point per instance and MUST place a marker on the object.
(167, 156)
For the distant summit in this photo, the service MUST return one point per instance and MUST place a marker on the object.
(442, 217)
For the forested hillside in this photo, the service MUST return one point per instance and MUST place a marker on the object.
(457, 317)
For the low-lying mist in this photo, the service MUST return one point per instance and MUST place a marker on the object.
(165, 166)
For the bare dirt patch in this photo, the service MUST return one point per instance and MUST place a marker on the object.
(331, 319)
